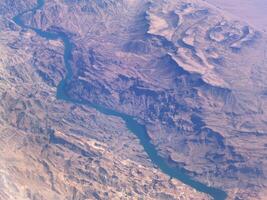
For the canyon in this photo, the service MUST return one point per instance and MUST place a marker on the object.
(79, 77)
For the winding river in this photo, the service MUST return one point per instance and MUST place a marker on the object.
(133, 126)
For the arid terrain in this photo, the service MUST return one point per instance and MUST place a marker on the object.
(192, 72)
(253, 12)
(55, 150)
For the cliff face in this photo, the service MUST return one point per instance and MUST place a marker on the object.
(191, 74)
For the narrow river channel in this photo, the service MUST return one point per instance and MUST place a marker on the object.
(132, 124)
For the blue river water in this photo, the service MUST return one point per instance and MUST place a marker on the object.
(131, 123)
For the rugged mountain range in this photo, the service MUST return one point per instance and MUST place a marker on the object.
(194, 76)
